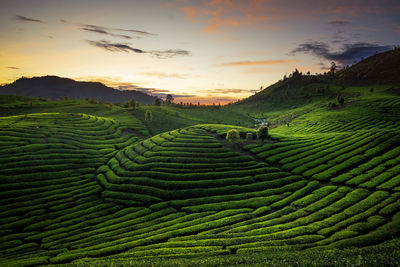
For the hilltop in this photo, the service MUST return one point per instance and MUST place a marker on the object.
(55, 87)
(381, 68)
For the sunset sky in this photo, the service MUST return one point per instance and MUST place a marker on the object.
(207, 51)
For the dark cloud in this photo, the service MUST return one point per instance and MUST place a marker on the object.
(169, 53)
(101, 31)
(126, 47)
(13, 68)
(349, 53)
(114, 47)
(339, 23)
(150, 91)
(22, 18)
(108, 30)
(137, 32)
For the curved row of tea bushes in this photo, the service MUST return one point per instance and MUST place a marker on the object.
(47, 178)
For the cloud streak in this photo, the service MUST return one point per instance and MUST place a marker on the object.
(163, 75)
(126, 47)
(263, 62)
(114, 47)
(225, 91)
(100, 31)
(13, 68)
(26, 19)
(169, 53)
(108, 30)
(349, 53)
(339, 23)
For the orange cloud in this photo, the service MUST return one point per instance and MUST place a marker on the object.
(227, 13)
(263, 62)
(221, 14)
(190, 12)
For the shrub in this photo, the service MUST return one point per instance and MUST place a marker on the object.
(148, 116)
(262, 133)
(232, 135)
(249, 136)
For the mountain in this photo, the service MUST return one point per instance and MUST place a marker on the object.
(55, 87)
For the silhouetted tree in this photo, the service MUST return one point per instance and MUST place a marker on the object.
(296, 74)
(262, 133)
(333, 68)
(157, 102)
(232, 135)
(169, 98)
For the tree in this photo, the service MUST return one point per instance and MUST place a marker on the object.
(157, 102)
(132, 103)
(262, 133)
(148, 116)
(333, 68)
(169, 98)
(232, 136)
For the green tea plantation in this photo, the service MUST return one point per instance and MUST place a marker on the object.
(96, 188)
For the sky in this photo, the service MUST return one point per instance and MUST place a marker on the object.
(207, 51)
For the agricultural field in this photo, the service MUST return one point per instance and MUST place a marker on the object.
(92, 184)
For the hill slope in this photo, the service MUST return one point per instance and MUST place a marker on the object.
(190, 193)
(54, 87)
(382, 68)
(299, 90)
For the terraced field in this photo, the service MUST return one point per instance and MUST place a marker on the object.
(47, 178)
(76, 186)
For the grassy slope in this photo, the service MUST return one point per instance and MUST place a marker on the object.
(252, 218)
(165, 118)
